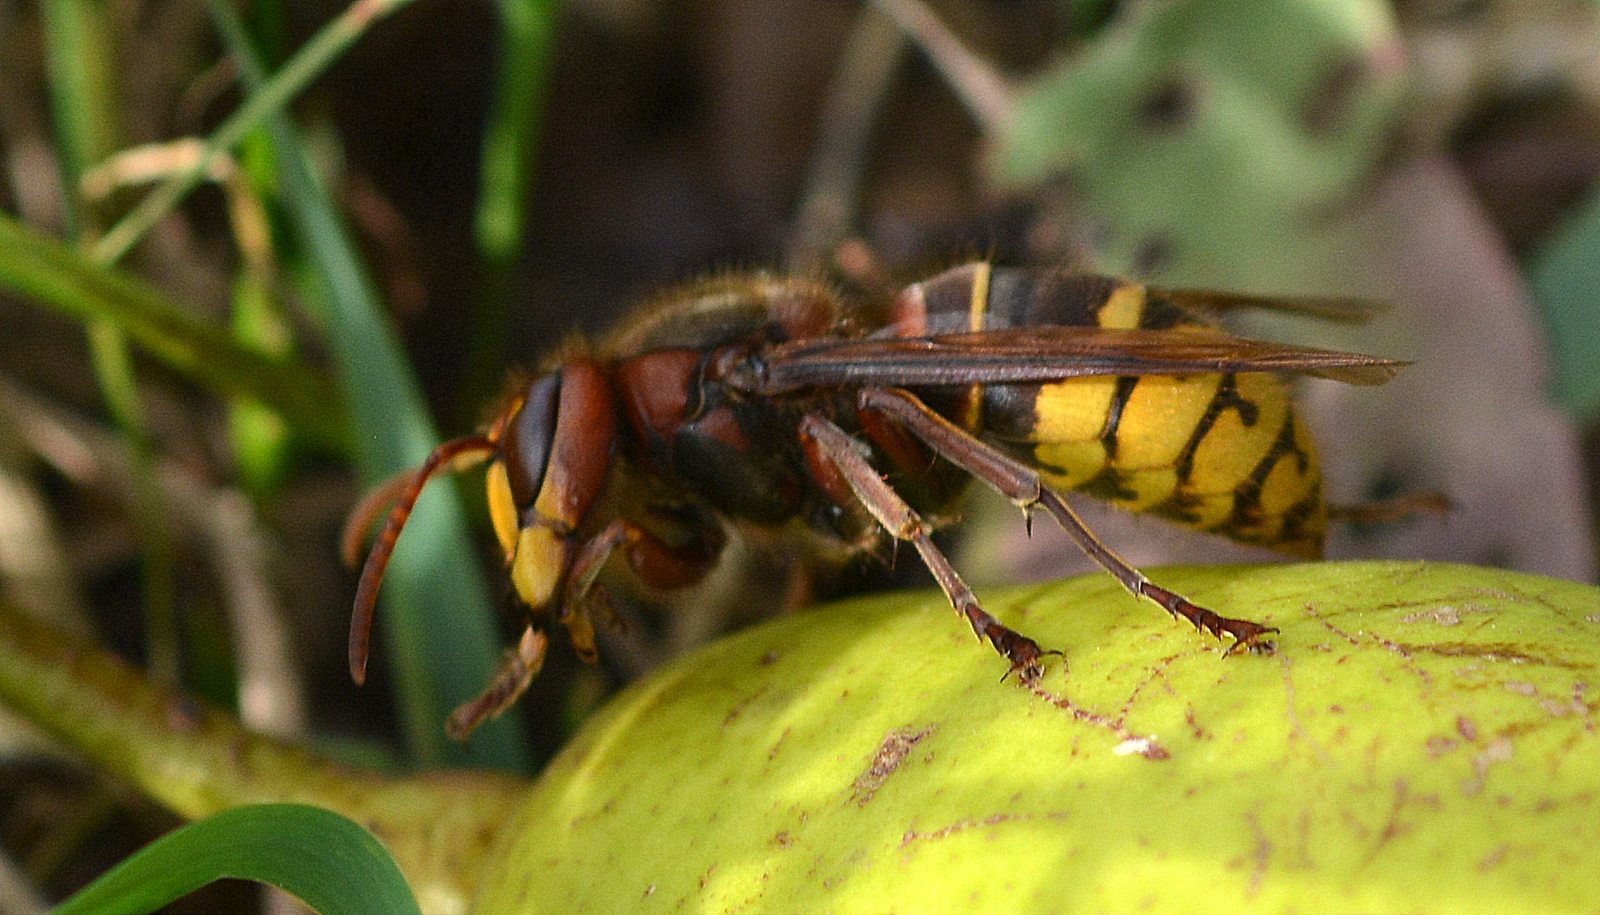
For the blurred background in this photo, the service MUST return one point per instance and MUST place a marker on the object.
(193, 395)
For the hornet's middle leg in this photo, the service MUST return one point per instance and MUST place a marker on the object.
(841, 468)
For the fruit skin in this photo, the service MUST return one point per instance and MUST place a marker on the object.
(1423, 741)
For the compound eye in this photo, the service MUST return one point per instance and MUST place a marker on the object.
(528, 438)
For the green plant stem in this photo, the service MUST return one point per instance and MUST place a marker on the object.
(113, 363)
(198, 761)
(86, 106)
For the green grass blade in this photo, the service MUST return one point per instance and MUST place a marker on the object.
(442, 631)
(86, 103)
(52, 274)
(273, 95)
(330, 863)
(198, 761)
(523, 58)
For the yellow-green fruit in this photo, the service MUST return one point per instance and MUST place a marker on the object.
(1424, 740)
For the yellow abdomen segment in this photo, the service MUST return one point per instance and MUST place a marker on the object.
(1222, 453)
(1218, 452)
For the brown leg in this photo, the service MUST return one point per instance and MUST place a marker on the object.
(828, 444)
(677, 551)
(1022, 485)
(517, 669)
(581, 588)
(579, 596)
(657, 564)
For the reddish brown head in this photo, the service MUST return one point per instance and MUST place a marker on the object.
(550, 452)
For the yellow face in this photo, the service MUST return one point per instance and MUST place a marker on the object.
(536, 555)
(502, 508)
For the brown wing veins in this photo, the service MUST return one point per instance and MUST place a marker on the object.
(1038, 354)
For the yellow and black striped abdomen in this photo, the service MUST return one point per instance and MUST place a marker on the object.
(1221, 453)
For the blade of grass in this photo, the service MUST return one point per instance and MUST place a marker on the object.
(262, 447)
(158, 597)
(85, 107)
(523, 58)
(274, 94)
(79, 57)
(442, 632)
(329, 862)
(54, 275)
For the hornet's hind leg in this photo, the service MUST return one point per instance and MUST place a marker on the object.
(1022, 485)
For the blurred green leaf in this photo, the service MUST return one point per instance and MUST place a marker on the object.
(1565, 279)
(1181, 132)
(329, 862)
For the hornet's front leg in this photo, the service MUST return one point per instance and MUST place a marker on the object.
(656, 563)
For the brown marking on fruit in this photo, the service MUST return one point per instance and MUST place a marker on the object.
(891, 753)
